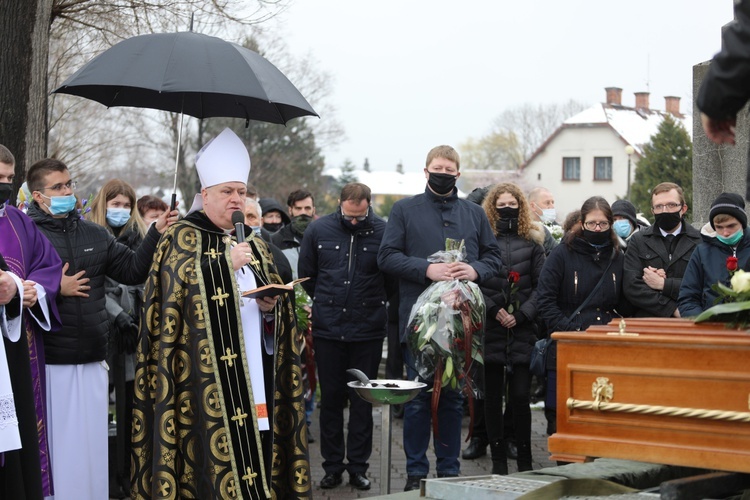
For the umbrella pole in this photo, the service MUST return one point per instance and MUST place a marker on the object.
(176, 163)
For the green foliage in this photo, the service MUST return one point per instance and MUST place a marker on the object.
(667, 158)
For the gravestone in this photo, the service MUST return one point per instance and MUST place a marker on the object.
(716, 168)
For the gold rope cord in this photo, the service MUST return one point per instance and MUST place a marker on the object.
(602, 391)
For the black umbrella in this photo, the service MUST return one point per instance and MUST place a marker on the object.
(189, 73)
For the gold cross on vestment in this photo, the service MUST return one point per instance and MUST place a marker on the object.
(249, 476)
(220, 297)
(212, 253)
(239, 417)
(199, 310)
(228, 357)
(253, 261)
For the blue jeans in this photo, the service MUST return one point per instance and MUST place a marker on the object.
(417, 428)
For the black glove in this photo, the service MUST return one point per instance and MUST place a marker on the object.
(127, 333)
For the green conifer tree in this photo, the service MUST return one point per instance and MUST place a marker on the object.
(667, 158)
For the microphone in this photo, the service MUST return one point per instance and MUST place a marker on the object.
(238, 219)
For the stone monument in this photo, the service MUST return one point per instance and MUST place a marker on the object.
(716, 168)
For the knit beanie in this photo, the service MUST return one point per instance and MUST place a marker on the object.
(730, 204)
(624, 208)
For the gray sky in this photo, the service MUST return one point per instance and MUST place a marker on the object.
(411, 74)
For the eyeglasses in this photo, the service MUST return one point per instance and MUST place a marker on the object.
(59, 187)
(669, 207)
(591, 225)
(359, 218)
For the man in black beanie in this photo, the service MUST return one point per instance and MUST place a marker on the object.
(716, 259)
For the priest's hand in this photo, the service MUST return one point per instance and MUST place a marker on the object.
(8, 288)
(166, 219)
(29, 293)
(266, 304)
(241, 255)
(75, 285)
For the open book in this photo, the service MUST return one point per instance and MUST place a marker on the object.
(272, 290)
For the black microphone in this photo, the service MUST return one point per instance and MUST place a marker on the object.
(238, 219)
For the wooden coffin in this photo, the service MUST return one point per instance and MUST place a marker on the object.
(658, 390)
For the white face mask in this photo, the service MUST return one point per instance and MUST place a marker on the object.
(548, 215)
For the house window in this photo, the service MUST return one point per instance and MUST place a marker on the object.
(603, 168)
(571, 169)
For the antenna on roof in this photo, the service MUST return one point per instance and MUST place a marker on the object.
(648, 73)
(192, 14)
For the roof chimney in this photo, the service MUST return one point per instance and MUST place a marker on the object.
(641, 100)
(614, 95)
(672, 105)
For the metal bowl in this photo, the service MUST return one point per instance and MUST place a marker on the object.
(377, 392)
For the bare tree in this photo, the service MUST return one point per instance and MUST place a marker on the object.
(495, 151)
(534, 123)
(84, 27)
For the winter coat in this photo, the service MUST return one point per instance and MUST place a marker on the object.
(647, 249)
(87, 246)
(289, 244)
(418, 227)
(526, 257)
(708, 266)
(348, 290)
(569, 275)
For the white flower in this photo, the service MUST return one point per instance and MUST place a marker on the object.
(741, 281)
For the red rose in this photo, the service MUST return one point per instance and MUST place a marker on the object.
(513, 276)
(731, 264)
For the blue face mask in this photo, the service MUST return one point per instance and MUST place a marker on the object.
(730, 240)
(622, 227)
(59, 205)
(256, 229)
(118, 217)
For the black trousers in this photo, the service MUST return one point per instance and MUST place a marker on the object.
(519, 388)
(333, 358)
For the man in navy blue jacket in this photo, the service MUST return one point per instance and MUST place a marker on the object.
(417, 228)
(339, 255)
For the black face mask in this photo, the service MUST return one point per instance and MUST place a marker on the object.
(365, 224)
(667, 221)
(508, 222)
(272, 227)
(6, 189)
(300, 223)
(441, 183)
(597, 238)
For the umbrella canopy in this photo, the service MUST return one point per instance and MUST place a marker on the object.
(190, 73)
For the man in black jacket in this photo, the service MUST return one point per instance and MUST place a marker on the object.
(77, 382)
(417, 228)
(657, 256)
(339, 255)
(301, 205)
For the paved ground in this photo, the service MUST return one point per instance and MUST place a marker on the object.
(478, 467)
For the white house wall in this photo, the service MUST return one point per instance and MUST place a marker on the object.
(588, 142)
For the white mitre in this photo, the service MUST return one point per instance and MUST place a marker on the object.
(222, 159)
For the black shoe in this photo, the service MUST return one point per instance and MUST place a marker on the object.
(359, 481)
(412, 482)
(511, 451)
(330, 480)
(477, 448)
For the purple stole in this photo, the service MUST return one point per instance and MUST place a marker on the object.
(31, 256)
